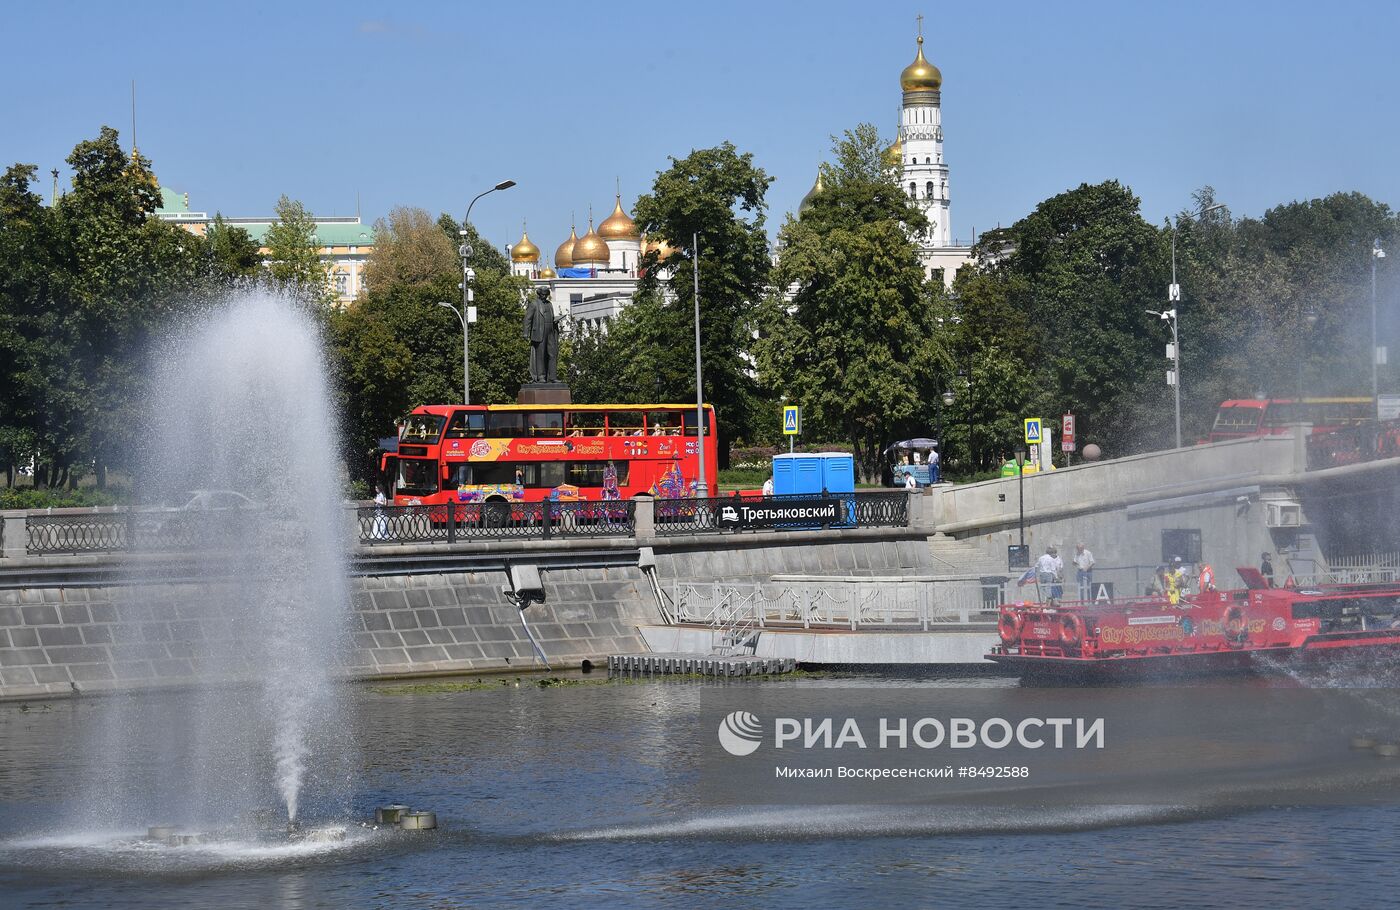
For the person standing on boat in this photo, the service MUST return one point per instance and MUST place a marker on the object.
(1084, 570)
(1266, 569)
(1179, 578)
(1049, 571)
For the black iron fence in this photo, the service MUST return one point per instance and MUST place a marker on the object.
(494, 521)
(1354, 445)
(168, 531)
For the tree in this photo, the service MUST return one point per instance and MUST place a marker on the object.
(410, 249)
(294, 259)
(231, 252)
(859, 343)
(717, 195)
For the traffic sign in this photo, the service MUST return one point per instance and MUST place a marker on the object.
(792, 420)
(1067, 433)
(1032, 431)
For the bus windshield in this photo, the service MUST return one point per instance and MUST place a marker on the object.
(1237, 419)
(422, 429)
(417, 476)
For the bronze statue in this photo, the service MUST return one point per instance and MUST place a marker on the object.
(542, 329)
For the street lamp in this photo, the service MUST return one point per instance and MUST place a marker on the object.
(1376, 254)
(1310, 320)
(937, 476)
(701, 424)
(467, 314)
(1021, 490)
(1174, 297)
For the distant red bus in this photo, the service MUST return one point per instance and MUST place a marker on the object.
(1243, 417)
(528, 453)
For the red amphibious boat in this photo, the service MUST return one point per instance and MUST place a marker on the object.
(1256, 629)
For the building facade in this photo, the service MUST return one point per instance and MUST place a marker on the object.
(344, 244)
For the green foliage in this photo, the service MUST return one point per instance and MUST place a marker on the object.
(859, 345)
(394, 348)
(293, 253)
(231, 251)
(717, 196)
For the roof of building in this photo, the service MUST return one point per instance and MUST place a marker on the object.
(340, 232)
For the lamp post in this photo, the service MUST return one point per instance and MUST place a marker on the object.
(468, 275)
(1174, 298)
(1376, 254)
(702, 489)
(1309, 320)
(947, 398)
(1021, 491)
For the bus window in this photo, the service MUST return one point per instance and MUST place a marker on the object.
(689, 416)
(664, 423)
(505, 423)
(1237, 419)
(1283, 412)
(546, 423)
(625, 423)
(586, 423)
(467, 425)
(421, 428)
(417, 476)
(493, 473)
(547, 474)
(456, 475)
(590, 473)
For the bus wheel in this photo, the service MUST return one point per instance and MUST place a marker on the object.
(495, 514)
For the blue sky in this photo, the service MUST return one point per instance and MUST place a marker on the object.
(427, 103)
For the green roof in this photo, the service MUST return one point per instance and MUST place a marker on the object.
(172, 202)
(335, 233)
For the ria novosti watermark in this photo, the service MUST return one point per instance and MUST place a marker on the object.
(741, 733)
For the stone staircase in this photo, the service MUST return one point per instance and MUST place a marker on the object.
(957, 557)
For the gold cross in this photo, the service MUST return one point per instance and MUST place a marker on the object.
(920, 17)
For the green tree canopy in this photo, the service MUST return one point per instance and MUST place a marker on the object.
(852, 332)
(294, 254)
(717, 196)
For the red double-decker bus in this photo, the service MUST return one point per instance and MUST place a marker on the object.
(527, 453)
(1243, 417)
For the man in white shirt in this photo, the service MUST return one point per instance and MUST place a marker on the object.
(768, 487)
(1084, 571)
(1049, 571)
(910, 482)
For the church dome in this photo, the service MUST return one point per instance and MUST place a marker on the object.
(661, 248)
(564, 256)
(547, 272)
(811, 194)
(618, 226)
(524, 251)
(921, 76)
(590, 247)
(894, 155)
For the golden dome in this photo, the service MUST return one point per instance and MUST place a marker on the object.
(618, 226)
(894, 155)
(661, 248)
(564, 256)
(524, 251)
(811, 194)
(547, 272)
(921, 76)
(590, 247)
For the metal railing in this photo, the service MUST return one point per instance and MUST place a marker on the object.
(877, 509)
(1354, 445)
(139, 529)
(853, 603)
(494, 521)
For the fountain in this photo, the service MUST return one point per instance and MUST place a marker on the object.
(257, 597)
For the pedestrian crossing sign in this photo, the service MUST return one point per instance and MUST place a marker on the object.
(1032, 431)
(792, 420)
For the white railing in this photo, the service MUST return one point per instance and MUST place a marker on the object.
(852, 603)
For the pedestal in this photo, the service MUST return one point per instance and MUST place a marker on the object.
(545, 393)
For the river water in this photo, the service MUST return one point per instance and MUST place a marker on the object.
(585, 795)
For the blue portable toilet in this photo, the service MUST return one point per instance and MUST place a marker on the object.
(814, 474)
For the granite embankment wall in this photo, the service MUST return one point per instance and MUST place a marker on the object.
(91, 630)
(78, 624)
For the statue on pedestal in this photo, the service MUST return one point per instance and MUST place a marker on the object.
(542, 330)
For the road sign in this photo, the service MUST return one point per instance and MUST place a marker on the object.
(1032, 430)
(1067, 433)
(1103, 592)
(792, 420)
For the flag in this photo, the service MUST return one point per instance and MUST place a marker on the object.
(1026, 578)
